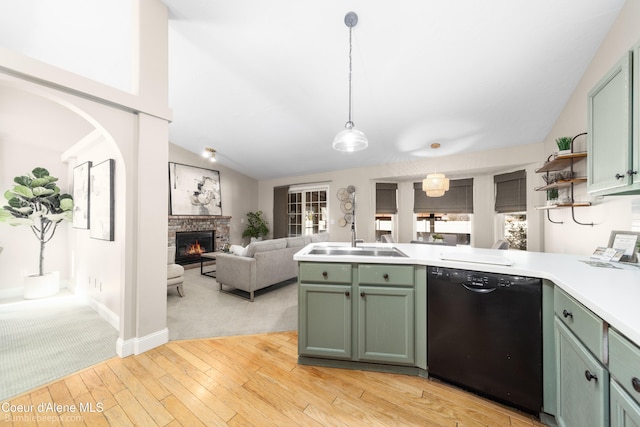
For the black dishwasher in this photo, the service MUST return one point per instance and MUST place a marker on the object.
(484, 334)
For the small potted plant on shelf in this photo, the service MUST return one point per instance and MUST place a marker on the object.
(257, 227)
(564, 145)
(552, 196)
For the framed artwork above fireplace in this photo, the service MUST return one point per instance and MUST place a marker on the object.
(194, 190)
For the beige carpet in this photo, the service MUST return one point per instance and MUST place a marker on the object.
(204, 311)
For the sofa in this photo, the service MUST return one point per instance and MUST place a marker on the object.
(261, 264)
(175, 272)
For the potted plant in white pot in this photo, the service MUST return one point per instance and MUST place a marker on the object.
(564, 145)
(257, 227)
(35, 201)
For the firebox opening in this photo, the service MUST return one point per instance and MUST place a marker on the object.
(191, 244)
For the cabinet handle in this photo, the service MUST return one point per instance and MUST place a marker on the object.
(618, 176)
(347, 293)
(385, 276)
(324, 274)
(589, 376)
(631, 172)
(566, 314)
(635, 382)
(362, 294)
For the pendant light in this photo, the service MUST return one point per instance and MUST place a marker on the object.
(435, 185)
(350, 139)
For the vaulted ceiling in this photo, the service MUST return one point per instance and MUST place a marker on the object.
(266, 83)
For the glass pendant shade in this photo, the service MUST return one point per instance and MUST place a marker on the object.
(350, 139)
(435, 184)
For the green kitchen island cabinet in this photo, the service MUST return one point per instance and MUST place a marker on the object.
(386, 313)
(362, 314)
(325, 310)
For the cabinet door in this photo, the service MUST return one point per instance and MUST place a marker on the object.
(324, 319)
(583, 383)
(386, 324)
(624, 411)
(609, 136)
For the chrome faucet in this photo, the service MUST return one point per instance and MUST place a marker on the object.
(354, 240)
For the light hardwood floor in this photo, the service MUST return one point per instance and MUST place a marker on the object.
(251, 380)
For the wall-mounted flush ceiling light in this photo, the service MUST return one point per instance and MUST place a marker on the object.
(350, 139)
(209, 153)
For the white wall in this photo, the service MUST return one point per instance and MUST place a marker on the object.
(239, 192)
(96, 36)
(608, 213)
(480, 165)
(96, 266)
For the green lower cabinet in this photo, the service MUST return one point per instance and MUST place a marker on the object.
(625, 412)
(386, 324)
(325, 320)
(582, 383)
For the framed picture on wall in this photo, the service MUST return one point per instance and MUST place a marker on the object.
(194, 190)
(101, 200)
(81, 195)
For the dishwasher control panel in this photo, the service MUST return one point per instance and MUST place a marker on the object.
(478, 279)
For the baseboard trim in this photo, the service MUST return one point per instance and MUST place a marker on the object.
(139, 345)
(104, 312)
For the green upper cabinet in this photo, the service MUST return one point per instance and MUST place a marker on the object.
(610, 137)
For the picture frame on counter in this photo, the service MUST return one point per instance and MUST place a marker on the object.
(626, 241)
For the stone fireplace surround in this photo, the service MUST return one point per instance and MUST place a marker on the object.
(219, 224)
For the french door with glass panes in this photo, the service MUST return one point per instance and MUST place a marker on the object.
(308, 210)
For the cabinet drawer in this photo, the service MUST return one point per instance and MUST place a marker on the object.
(624, 363)
(383, 274)
(318, 272)
(587, 326)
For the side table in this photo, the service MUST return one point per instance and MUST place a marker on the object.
(208, 256)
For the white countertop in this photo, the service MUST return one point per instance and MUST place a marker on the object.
(612, 294)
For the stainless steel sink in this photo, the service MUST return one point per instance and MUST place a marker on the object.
(357, 251)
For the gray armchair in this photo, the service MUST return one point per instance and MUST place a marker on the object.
(175, 272)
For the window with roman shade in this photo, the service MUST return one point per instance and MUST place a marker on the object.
(386, 200)
(511, 192)
(459, 198)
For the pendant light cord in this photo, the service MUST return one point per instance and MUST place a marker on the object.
(349, 124)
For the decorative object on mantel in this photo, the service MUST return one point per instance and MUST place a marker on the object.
(209, 153)
(101, 201)
(194, 190)
(350, 139)
(257, 226)
(435, 185)
(36, 201)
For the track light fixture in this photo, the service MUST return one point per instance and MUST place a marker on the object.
(209, 153)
